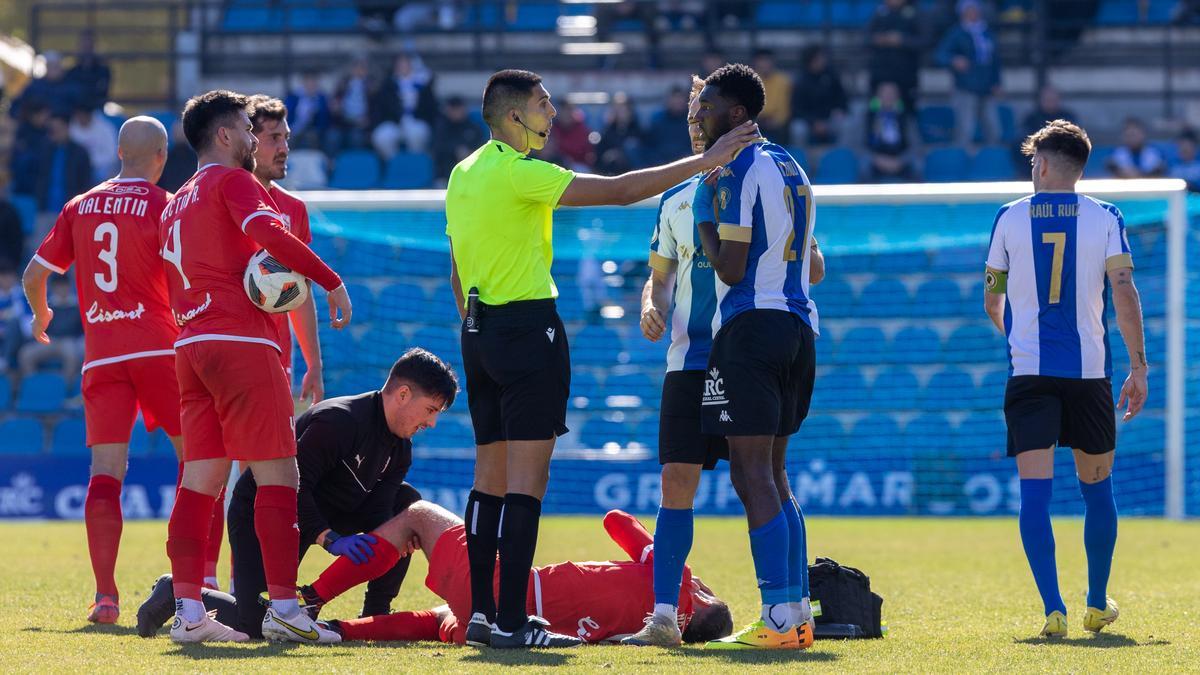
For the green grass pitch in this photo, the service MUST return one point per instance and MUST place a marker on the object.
(957, 597)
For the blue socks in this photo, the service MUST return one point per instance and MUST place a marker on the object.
(672, 543)
(797, 552)
(769, 547)
(1099, 537)
(1038, 539)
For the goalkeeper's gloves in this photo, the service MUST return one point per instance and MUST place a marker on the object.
(356, 547)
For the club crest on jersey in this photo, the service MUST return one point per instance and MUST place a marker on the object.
(128, 190)
(723, 198)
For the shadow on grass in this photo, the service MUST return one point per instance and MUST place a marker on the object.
(91, 628)
(765, 656)
(521, 657)
(254, 649)
(1100, 641)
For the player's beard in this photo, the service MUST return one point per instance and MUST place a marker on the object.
(248, 162)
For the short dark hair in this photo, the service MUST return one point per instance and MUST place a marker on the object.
(1067, 141)
(1188, 134)
(739, 83)
(506, 90)
(710, 623)
(204, 114)
(422, 370)
(261, 108)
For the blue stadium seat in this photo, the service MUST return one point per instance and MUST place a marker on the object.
(991, 389)
(450, 432)
(834, 298)
(845, 13)
(1008, 123)
(142, 443)
(946, 165)
(937, 297)
(841, 389)
(440, 340)
(872, 434)
(895, 388)
(21, 436)
(320, 16)
(909, 262)
(632, 389)
(595, 344)
(936, 123)
(252, 16)
(408, 171)
(975, 343)
(586, 391)
(838, 166)
(946, 390)
(1095, 167)
(1117, 12)
(855, 263)
(645, 431)
(599, 431)
(928, 430)
(27, 209)
(41, 393)
(402, 301)
(862, 345)
(982, 435)
(993, 162)
(801, 157)
(69, 437)
(642, 352)
(958, 259)
(916, 344)
(363, 300)
(5, 393)
(883, 297)
(355, 170)
(972, 300)
(820, 433)
(535, 15)
(789, 14)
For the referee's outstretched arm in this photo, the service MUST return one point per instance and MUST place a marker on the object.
(634, 186)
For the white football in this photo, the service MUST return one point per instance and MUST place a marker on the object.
(271, 286)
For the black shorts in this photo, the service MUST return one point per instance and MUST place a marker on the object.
(680, 439)
(760, 375)
(1043, 412)
(518, 370)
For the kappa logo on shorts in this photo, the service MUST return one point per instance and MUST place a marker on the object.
(550, 334)
(725, 416)
(714, 389)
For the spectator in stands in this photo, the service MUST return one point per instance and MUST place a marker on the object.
(969, 50)
(712, 59)
(1188, 165)
(181, 161)
(894, 43)
(571, 143)
(775, 119)
(456, 138)
(818, 98)
(887, 136)
(1049, 108)
(66, 334)
(64, 169)
(620, 146)
(1134, 158)
(611, 13)
(52, 89)
(403, 108)
(351, 108)
(664, 141)
(27, 146)
(413, 16)
(376, 15)
(14, 317)
(12, 232)
(309, 114)
(98, 136)
(90, 75)
(1185, 12)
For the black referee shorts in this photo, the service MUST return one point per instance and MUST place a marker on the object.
(760, 375)
(518, 370)
(680, 439)
(1043, 412)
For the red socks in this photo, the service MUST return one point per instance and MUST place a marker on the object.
(216, 534)
(275, 525)
(343, 574)
(187, 533)
(407, 626)
(102, 518)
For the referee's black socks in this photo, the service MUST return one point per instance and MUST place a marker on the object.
(483, 529)
(518, 539)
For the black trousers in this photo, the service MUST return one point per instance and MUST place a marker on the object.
(250, 580)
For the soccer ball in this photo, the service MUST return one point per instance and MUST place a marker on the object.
(271, 286)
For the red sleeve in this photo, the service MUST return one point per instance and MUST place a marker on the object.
(301, 228)
(630, 535)
(251, 207)
(57, 251)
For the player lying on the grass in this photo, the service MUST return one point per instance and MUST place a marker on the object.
(596, 601)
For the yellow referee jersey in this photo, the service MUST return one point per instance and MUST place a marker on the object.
(499, 216)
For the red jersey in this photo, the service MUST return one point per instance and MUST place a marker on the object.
(294, 215)
(219, 218)
(111, 234)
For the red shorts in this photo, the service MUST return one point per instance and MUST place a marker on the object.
(449, 574)
(236, 402)
(113, 393)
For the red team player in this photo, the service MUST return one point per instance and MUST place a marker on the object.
(596, 601)
(110, 234)
(236, 402)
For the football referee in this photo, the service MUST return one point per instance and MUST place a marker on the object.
(499, 208)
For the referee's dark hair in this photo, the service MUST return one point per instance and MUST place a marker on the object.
(261, 108)
(422, 370)
(1068, 142)
(506, 90)
(738, 83)
(207, 112)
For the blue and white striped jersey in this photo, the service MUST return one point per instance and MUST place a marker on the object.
(676, 243)
(764, 199)
(1057, 248)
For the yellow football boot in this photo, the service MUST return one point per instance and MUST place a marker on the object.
(757, 636)
(1056, 625)
(1094, 620)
